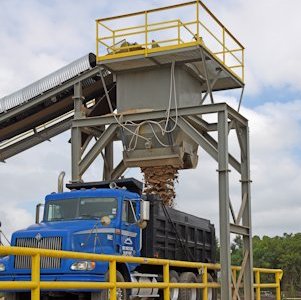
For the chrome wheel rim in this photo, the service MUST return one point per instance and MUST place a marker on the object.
(193, 294)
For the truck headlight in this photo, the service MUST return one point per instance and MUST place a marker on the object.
(83, 266)
(2, 267)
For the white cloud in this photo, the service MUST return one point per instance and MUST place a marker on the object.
(269, 30)
(13, 218)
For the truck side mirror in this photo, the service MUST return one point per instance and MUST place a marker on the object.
(144, 210)
(38, 208)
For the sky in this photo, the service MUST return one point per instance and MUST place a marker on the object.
(42, 36)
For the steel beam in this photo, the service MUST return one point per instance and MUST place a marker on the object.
(206, 74)
(108, 161)
(246, 215)
(240, 230)
(76, 134)
(241, 209)
(199, 124)
(211, 87)
(235, 115)
(197, 137)
(224, 204)
(203, 125)
(119, 170)
(240, 142)
(102, 142)
(240, 98)
(240, 276)
(150, 115)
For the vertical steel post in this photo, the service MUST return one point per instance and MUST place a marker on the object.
(246, 217)
(224, 220)
(108, 162)
(76, 135)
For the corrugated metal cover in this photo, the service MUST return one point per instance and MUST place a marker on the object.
(49, 82)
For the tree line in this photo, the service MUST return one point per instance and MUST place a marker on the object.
(279, 252)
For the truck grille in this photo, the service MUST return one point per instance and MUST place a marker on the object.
(53, 243)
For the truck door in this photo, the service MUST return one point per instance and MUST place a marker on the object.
(130, 232)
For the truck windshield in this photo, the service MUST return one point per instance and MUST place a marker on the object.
(82, 208)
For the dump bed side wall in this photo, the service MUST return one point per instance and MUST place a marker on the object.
(161, 240)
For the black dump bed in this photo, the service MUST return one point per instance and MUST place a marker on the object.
(173, 234)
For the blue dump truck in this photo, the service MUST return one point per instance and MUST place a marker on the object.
(110, 218)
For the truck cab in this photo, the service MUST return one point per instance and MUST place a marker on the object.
(102, 219)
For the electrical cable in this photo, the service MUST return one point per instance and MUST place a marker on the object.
(135, 133)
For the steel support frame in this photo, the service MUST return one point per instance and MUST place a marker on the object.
(76, 133)
(191, 121)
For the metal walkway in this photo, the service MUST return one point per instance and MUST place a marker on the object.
(44, 109)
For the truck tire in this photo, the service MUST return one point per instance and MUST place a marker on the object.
(212, 293)
(122, 294)
(174, 278)
(188, 294)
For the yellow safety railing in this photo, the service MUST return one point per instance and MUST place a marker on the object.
(185, 25)
(36, 285)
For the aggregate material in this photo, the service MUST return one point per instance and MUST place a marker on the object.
(160, 181)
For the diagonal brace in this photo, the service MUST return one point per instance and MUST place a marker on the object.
(119, 170)
(206, 75)
(232, 161)
(211, 86)
(101, 143)
(197, 137)
(241, 273)
(242, 208)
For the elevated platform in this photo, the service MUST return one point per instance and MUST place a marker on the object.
(190, 57)
(190, 35)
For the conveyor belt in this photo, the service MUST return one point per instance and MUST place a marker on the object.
(38, 112)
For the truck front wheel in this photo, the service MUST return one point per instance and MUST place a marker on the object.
(122, 294)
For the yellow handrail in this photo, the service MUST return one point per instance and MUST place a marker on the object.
(205, 30)
(36, 285)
